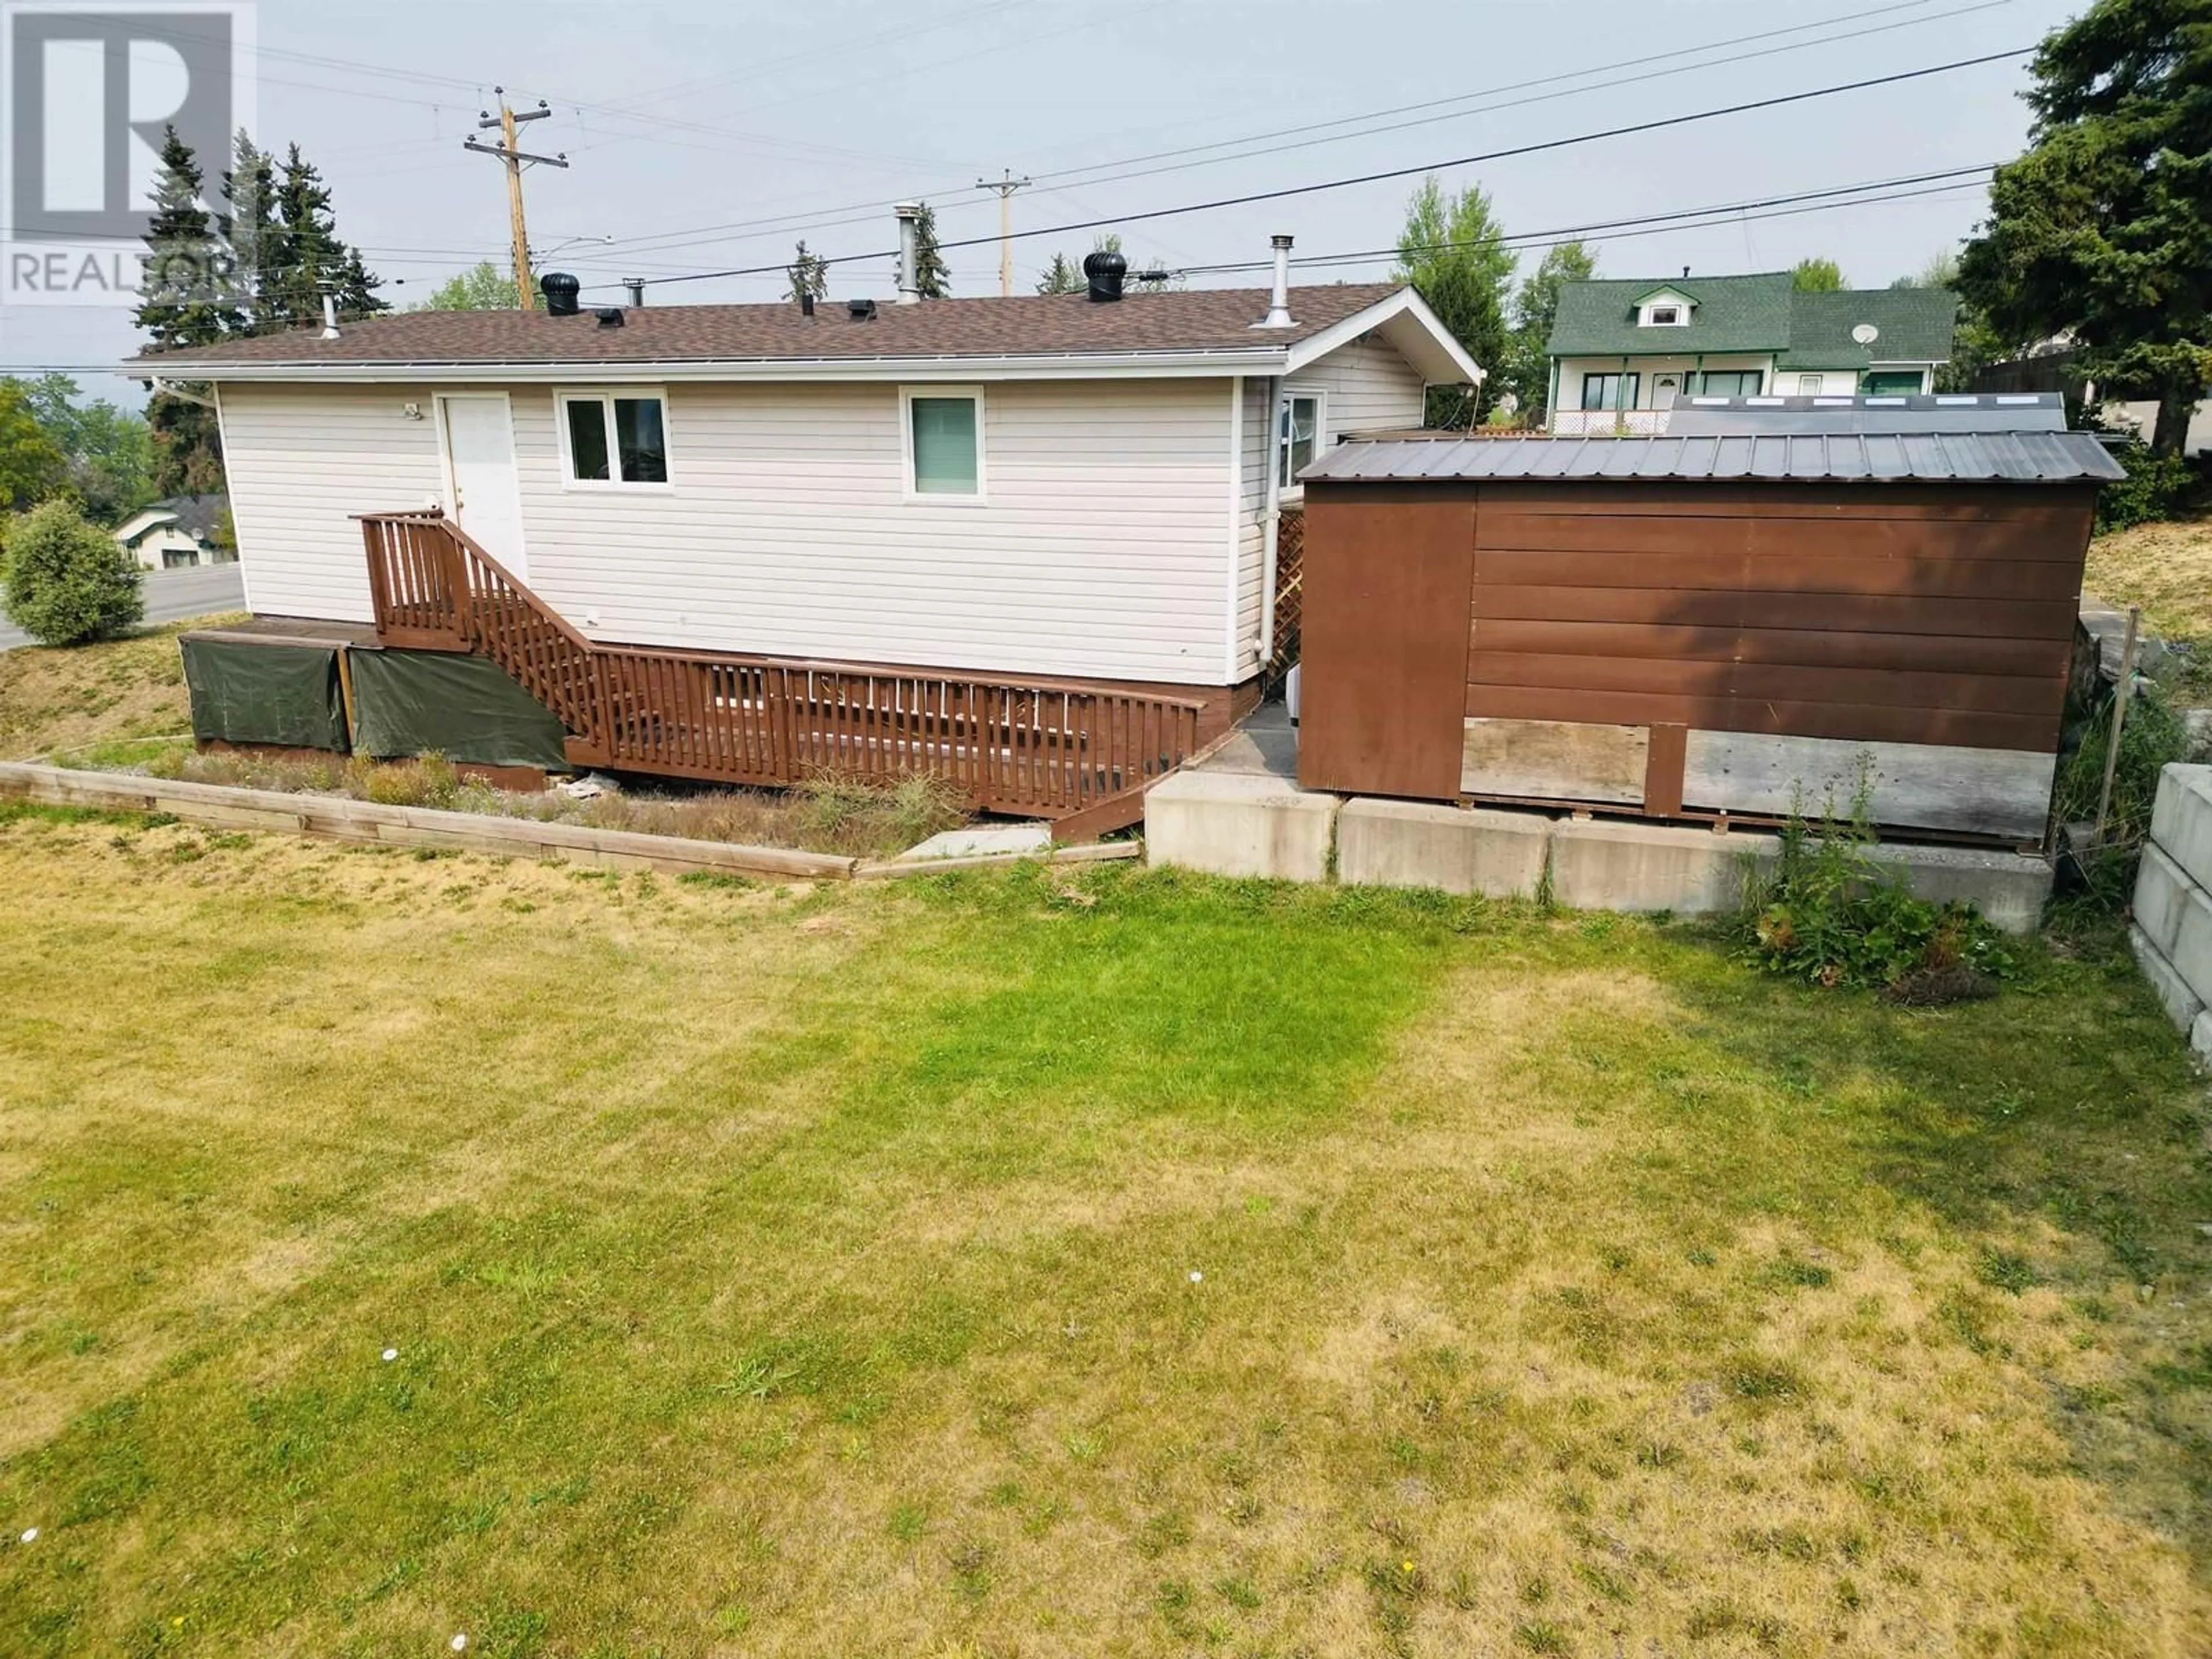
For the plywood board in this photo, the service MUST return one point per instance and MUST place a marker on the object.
(1556, 760)
(1916, 786)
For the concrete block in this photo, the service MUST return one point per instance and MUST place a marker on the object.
(2191, 950)
(2010, 888)
(2200, 1037)
(977, 842)
(1229, 823)
(1651, 866)
(1399, 844)
(2161, 899)
(2183, 1006)
(2181, 819)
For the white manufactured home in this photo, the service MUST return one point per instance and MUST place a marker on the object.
(1070, 490)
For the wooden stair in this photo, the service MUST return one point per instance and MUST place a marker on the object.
(1078, 755)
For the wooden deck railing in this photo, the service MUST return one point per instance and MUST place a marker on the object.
(1081, 754)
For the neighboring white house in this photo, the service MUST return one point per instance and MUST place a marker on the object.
(1083, 486)
(177, 532)
(1623, 351)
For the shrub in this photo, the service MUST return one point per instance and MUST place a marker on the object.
(2156, 487)
(2154, 735)
(68, 582)
(1832, 916)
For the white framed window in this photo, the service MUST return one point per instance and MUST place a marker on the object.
(1300, 421)
(1665, 316)
(1664, 313)
(613, 440)
(941, 434)
(1808, 385)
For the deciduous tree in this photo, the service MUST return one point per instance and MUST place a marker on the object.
(1816, 276)
(481, 287)
(1529, 367)
(1452, 252)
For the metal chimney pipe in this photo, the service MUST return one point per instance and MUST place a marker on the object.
(330, 316)
(1279, 304)
(636, 287)
(909, 253)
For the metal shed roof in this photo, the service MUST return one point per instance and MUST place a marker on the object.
(1792, 458)
(1942, 411)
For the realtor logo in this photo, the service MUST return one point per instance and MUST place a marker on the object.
(90, 93)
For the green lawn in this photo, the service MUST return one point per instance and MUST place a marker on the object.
(1056, 1263)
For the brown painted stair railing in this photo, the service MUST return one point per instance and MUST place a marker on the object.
(1080, 756)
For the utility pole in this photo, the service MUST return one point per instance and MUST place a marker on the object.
(1006, 185)
(508, 151)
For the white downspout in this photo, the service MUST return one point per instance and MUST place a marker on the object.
(1273, 522)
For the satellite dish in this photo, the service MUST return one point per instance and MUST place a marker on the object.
(1866, 334)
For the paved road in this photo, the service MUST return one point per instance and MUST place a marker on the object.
(174, 595)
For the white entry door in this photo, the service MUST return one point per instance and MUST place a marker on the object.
(487, 500)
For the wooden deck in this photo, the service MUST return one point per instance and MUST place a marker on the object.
(1080, 755)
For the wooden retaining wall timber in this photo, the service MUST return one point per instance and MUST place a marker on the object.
(220, 807)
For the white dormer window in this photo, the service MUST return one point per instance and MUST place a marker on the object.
(1664, 309)
(1664, 316)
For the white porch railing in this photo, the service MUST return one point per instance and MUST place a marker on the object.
(1609, 423)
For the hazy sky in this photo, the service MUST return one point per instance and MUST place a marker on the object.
(705, 136)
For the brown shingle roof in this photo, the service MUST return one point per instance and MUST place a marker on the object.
(1199, 320)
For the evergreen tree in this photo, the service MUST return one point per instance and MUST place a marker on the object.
(305, 249)
(249, 190)
(810, 275)
(357, 285)
(1528, 362)
(1452, 252)
(933, 278)
(1816, 276)
(1061, 277)
(2102, 232)
(182, 304)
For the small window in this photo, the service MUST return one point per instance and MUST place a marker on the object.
(1609, 391)
(1298, 437)
(1732, 383)
(946, 442)
(618, 439)
(1808, 385)
(1666, 316)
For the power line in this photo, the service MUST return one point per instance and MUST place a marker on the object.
(1659, 125)
(1655, 221)
(868, 212)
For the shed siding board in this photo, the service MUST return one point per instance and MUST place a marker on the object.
(1371, 387)
(301, 460)
(1911, 786)
(1385, 631)
(1865, 612)
(1098, 554)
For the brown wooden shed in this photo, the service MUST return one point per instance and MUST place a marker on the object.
(1687, 626)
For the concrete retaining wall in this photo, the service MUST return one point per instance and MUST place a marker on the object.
(2172, 929)
(1238, 825)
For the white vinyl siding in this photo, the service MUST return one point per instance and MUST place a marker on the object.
(1370, 389)
(1255, 454)
(789, 532)
(301, 460)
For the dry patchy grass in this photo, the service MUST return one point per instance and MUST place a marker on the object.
(964, 1268)
(112, 692)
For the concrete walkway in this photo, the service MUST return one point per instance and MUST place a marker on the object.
(1265, 745)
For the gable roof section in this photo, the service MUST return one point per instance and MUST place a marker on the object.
(1759, 314)
(1912, 325)
(1209, 326)
(1731, 313)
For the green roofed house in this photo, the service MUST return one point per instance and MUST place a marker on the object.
(1623, 351)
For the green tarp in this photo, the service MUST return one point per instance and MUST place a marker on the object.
(274, 693)
(408, 702)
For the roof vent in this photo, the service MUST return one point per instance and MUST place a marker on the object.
(560, 289)
(1278, 299)
(807, 302)
(1104, 270)
(610, 316)
(860, 311)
